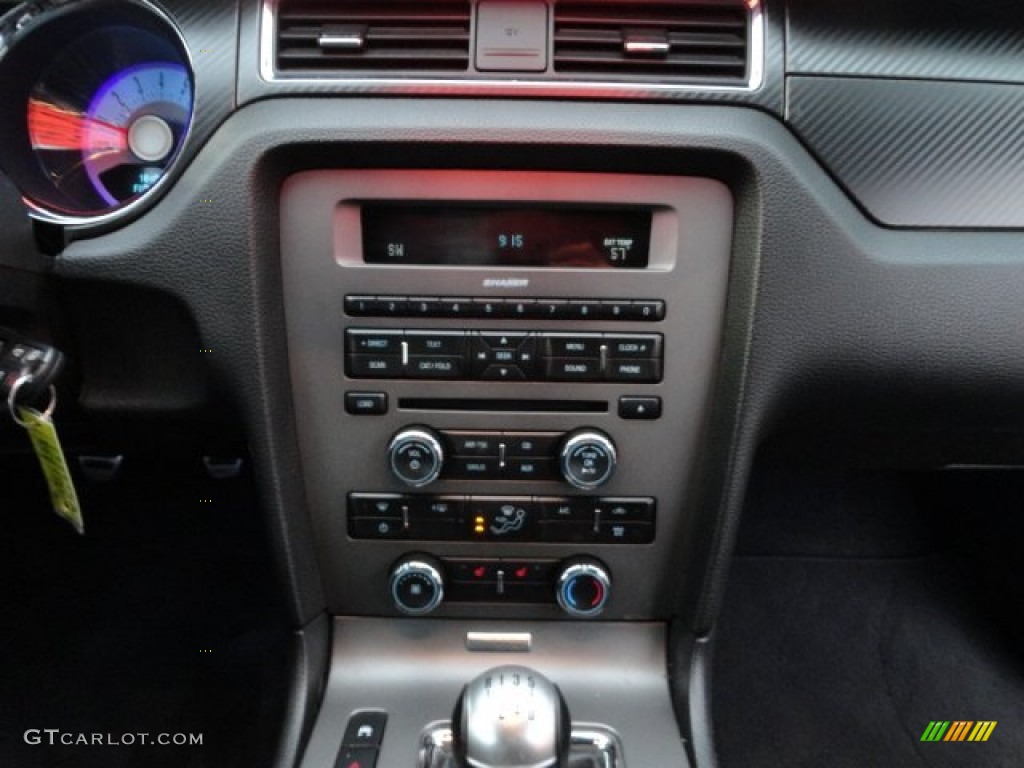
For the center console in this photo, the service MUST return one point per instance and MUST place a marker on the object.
(501, 382)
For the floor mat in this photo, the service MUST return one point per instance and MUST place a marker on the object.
(829, 662)
(163, 620)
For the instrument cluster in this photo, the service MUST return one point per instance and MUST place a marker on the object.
(101, 97)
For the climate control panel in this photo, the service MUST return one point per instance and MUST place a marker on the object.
(418, 583)
(563, 519)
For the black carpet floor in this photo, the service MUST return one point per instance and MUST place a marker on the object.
(163, 619)
(852, 620)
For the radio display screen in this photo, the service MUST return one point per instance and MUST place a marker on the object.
(505, 235)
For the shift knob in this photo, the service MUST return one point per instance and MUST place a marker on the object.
(511, 717)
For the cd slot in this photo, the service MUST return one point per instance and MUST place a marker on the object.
(506, 405)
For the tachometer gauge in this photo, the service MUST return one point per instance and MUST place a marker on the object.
(126, 136)
(99, 119)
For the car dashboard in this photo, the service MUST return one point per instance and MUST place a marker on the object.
(556, 333)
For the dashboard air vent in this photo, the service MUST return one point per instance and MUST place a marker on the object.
(372, 36)
(700, 43)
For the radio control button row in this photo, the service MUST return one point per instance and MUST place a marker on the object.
(502, 455)
(645, 310)
(439, 355)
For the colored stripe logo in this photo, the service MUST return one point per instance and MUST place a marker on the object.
(958, 730)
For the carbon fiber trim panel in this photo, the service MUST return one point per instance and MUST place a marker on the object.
(210, 32)
(954, 39)
(919, 154)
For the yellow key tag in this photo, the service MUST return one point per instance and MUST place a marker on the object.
(43, 435)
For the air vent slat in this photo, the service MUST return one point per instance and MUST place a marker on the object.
(671, 41)
(600, 58)
(737, 22)
(379, 36)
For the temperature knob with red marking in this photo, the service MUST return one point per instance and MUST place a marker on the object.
(583, 587)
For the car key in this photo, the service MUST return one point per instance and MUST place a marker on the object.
(27, 372)
(34, 364)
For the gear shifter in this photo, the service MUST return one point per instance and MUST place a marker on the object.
(511, 717)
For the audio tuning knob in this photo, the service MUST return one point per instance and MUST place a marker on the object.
(416, 456)
(416, 584)
(587, 459)
(583, 587)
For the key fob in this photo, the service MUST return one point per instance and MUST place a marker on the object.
(21, 357)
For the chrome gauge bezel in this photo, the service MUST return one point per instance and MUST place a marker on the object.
(30, 24)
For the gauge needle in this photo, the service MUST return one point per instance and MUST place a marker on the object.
(54, 128)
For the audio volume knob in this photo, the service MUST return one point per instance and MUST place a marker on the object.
(416, 456)
(587, 458)
(416, 584)
(583, 587)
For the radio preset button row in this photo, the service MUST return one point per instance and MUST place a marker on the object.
(552, 519)
(513, 356)
(645, 310)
